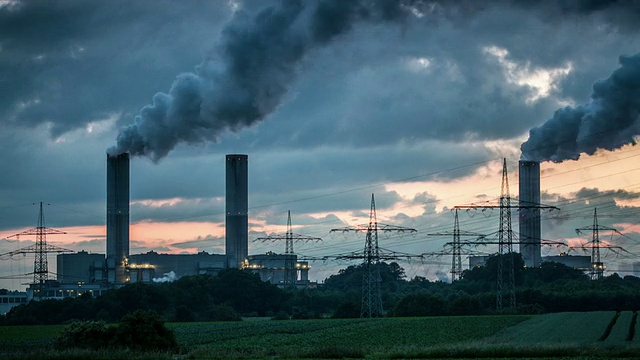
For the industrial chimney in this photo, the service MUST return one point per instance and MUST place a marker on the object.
(117, 217)
(237, 199)
(529, 173)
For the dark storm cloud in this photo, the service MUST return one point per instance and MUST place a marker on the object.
(70, 62)
(257, 60)
(256, 63)
(609, 121)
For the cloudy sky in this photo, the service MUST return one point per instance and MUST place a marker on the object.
(415, 101)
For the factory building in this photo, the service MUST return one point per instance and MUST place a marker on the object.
(579, 262)
(81, 267)
(272, 268)
(529, 213)
(83, 272)
(10, 299)
(152, 265)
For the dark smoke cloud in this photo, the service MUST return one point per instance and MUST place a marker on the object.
(258, 58)
(256, 62)
(609, 121)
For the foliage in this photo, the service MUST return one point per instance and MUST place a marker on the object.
(144, 330)
(234, 293)
(141, 330)
(191, 298)
(424, 304)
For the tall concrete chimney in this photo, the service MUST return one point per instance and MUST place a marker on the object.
(117, 217)
(529, 175)
(237, 205)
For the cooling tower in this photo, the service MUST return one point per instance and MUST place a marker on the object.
(237, 199)
(117, 217)
(529, 217)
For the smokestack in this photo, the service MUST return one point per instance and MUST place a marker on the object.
(529, 218)
(237, 198)
(117, 217)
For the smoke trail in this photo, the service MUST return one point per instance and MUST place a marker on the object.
(610, 120)
(258, 60)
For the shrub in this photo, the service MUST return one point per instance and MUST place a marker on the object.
(145, 330)
(86, 335)
(141, 330)
(223, 312)
(281, 315)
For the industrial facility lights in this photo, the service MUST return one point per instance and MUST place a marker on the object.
(141, 266)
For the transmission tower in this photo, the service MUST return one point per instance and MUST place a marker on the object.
(371, 305)
(456, 246)
(505, 246)
(505, 241)
(41, 249)
(290, 271)
(597, 266)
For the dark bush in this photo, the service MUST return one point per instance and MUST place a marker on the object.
(347, 310)
(281, 315)
(86, 335)
(424, 304)
(223, 312)
(141, 330)
(145, 330)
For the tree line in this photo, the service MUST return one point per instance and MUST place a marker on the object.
(233, 294)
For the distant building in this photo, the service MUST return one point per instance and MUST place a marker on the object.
(580, 262)
(479, 260)
(9, 299)
(272, 268)
(80, 267)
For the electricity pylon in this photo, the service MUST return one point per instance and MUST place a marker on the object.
(371, 305)
(597, 266)
(290, 272)
(505, 246)
(40, 249)
(505, 241)
(456, 246)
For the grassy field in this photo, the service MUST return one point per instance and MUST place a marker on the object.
(563, 335)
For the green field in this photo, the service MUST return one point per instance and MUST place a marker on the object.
(562, 335)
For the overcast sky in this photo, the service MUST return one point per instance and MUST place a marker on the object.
(415, 101)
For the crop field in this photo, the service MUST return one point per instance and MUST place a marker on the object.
(318, 338)
(562, 335)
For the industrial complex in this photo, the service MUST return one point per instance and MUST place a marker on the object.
(82, 272)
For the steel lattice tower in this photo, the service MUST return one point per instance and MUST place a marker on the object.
(290, 271)
(597, 266)
(40, 249)
(455, 246)
(371, 281)
(456, 262)
(505, 287)
(371, 290)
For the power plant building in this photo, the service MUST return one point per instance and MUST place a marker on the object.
(83, 272)
(272, 267)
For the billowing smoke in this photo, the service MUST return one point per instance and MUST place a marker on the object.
(609, 121)
(256, 62)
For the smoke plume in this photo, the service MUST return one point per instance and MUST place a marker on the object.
(256, 62)
(610, 120)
